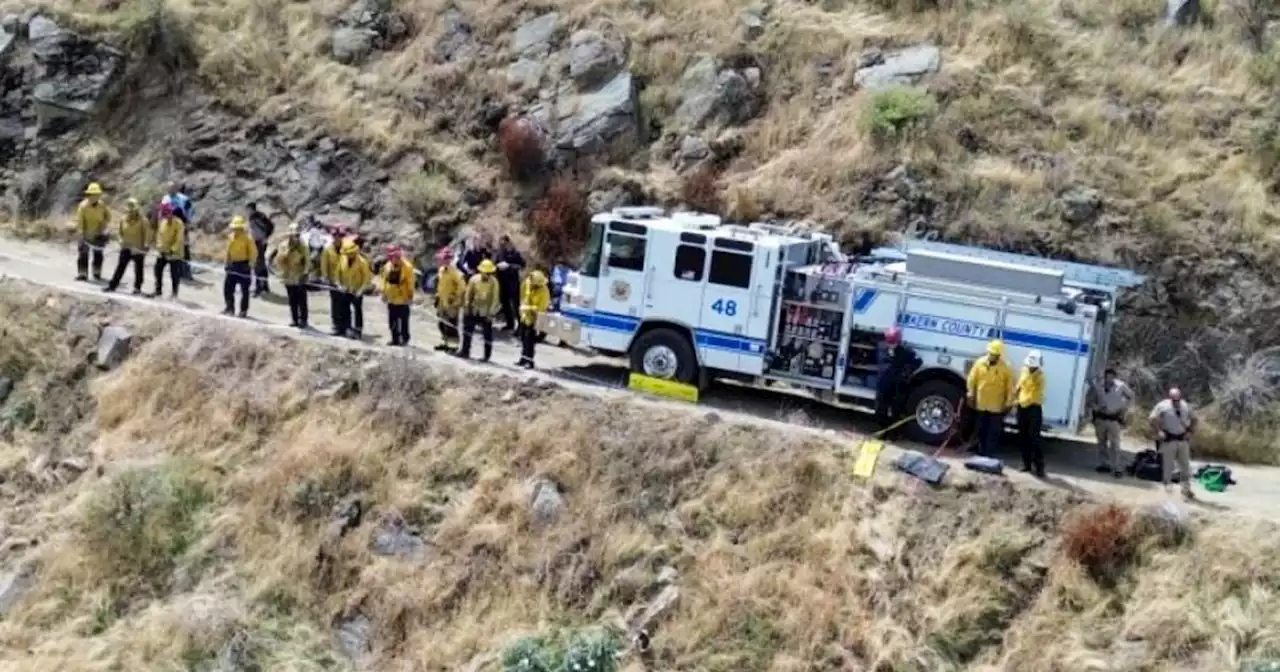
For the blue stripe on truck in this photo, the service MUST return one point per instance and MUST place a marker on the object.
(703, 338)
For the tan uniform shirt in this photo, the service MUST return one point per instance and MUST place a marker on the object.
(1114, 401)
(1170, 420)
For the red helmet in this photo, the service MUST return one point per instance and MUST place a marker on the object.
(166, 209)
(394, 252)
(893, 335)
(444, 255)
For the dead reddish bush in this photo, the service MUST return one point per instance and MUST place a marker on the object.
(1100, 539)
(560, 220)
(700, 192)
(521, 147)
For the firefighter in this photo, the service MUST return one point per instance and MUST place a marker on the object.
(450, 287)
(241, 256)
(262, 228)
(990, 394)
(397, 290)
(92, 218)
(510, 266)
(330, 264)
(135, 235)
(354, 275)
(479, 305)
(292, 263)
(535, 298)
(169, 237)
(1030, 398)
(896, 363)
(1110, 404)
(183, 209)
(1174, 422)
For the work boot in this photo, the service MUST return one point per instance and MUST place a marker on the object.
(444, 347)
(82, 277)
(488, 352)
(137, 291)
(1040, 472)
(97, 276)
(243, 313)
(228, 311)
(1102, 469)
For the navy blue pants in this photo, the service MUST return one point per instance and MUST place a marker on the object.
(990, 426)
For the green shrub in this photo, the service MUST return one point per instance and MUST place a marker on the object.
(587, 651)
(140, 523)
(425, 193)
(594, 651)
(894, 111)
(531, 654)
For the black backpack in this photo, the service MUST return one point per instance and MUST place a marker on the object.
(1148, 466)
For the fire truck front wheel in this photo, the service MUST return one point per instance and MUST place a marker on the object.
(665, 354)
(934, 406)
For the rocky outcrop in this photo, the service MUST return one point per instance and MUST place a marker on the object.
(878, 70)
(367, 26)
(1181, 12)
(66, 80)
(715, 93)
(594, 58)
(455, 41)
(113, 347)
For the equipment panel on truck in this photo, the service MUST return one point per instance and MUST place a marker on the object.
(688, 298)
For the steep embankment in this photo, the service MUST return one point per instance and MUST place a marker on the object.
(227, 500)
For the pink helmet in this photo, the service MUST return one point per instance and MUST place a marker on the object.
(166, 209)
(893, 335)
(394, 252)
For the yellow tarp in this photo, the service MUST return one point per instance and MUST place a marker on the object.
(663, 388)
(868, 454)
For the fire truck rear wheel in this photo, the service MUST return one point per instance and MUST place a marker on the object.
(666, 354)
(933, 406)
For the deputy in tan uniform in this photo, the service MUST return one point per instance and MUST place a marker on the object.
(1110, 405)
(1174, 422)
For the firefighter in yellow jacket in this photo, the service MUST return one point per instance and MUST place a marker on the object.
(354, 276)
(92, 219)
(450, 287)
(291, 261)
(990, 394)
(241, 256)
(330, 263)
(535, 298)
(169, 237)
(480, 303)
(397, 290)
(135, 235)
(1030, 398)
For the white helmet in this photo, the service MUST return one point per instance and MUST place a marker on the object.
(1034, 359)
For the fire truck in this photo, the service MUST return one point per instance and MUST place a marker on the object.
(688, 298)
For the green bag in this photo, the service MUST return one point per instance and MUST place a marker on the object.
(1214, 478)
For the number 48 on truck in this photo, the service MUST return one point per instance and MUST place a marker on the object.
(686, 297)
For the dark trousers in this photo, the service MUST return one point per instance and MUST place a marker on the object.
(889, 401)
(528, 341)
(237, 276)
(469, 324)
(509, 301)
(990, 425)
(1030, 422)
(355, 313)
(398, 322)
(186, 259)
(448, 327)
(175, 273)
(298, 308)
(90, 249)
(260, 268)
(127, 257)
(339, 314)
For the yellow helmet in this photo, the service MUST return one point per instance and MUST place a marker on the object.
(995, 347)
(537, 279)
(94, 189)
(487, 266)
(133, 205)
(349, 246)
(293, 228)
(238, 223)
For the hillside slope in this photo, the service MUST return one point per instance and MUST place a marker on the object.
(227, 500)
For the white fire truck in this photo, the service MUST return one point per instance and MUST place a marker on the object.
(688, 298)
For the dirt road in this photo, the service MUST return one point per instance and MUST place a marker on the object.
(1070, 460)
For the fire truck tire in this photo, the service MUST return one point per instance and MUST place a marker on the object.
(933, 406)
(666, 354)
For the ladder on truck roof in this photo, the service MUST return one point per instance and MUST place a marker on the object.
(1075, 274)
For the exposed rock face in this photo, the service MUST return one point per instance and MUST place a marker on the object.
(1080, 205)
(366, 26)
(71, 77)
(878, 70)
(593, 58)
(713, 93)
(113, 347)
(533, 37)
(455, 41)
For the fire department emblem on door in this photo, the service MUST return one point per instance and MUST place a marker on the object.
(620, 290)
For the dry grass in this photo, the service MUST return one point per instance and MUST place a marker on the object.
(206, 532)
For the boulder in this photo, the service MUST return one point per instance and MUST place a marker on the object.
(366, 25)
(394, 538)
(545, 501)
(13, 585)
(533, 37)
(878, 70)
(73, 76)
(455, 41)
(692, 150)
(525, 74)
(593, 58)
(1181, 12)
(354, 633)
(351, 46)
(593, 121)
(7, 42)
(711, 93)
(113, 347)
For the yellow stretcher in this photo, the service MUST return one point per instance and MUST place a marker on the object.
(869, 450)
(663, 388)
